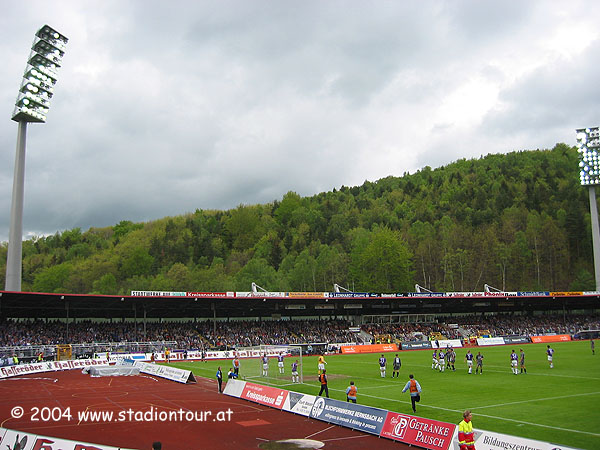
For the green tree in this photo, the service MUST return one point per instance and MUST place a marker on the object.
(258, 271)
(52, 279)
(303, 276)
(385, 263)
(139, 262)
(105, 285)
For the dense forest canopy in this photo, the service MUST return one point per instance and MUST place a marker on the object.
(517, 221)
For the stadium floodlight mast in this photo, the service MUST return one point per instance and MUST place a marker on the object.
(588, 146)
(32, 105)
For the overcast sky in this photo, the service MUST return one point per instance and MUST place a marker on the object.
(164, 107)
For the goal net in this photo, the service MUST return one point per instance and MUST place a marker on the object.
(280, 361)
(64, 352)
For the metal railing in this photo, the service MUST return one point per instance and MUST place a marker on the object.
(26, 353)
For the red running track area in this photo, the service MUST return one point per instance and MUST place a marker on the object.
(200, 417)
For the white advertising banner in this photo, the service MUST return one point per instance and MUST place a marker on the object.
(26, 441)
(299, 403)
(487, 440)
(445, 343)
(234, 387)
(170, 373)
(490, 341)
(48, 366)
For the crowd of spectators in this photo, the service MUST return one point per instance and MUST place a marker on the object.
(527, 325)
(248, 334)
(231, 334)
(493, 326)
(189, 335)
(406, 332)
(53, 332)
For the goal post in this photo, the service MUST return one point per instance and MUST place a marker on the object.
(252, 367)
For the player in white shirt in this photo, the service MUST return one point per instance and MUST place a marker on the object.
(550, 353)
(469, 360)
(514, 361)
(382, 364)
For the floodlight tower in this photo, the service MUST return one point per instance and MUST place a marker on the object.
(32, 105)
(588, 144)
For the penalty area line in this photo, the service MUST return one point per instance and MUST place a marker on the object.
(488, 416)
(538, 400)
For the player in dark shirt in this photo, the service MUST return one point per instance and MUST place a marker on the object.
(397, 364)
(479, 360)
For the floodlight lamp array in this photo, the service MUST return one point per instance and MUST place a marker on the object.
(588, 147)
(37, 87)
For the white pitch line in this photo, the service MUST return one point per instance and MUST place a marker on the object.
(487, 368)
(152, 378)
(553, 427)
(319, 432)
(30, 378)
(362, 389)
(483, 415)
(539, 374)
(537, 400)
(346, 438)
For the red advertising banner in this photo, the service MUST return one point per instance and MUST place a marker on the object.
(555, 338)
(375, 348)
(418, 431)
(265, 395)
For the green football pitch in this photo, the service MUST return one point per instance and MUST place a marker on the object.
(559, 405)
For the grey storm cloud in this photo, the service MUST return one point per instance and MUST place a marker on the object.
(165, 107)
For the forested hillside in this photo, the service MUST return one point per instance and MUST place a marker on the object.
(518, 221)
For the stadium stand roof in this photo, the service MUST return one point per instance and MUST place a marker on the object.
(207, 305)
